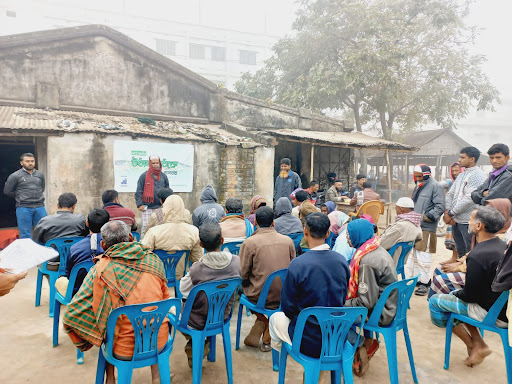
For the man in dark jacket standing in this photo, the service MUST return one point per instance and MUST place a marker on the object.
(429, 202)
(499, 183)
(287, 181)
(26, 186)
(209, 211)
(146, 196)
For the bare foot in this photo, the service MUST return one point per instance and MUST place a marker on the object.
(453, 267)
(449, 261)
(478, 354)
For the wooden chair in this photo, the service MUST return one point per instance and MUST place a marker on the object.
(374, 208)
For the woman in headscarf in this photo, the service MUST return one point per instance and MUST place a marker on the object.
(328, 207)
(371, 270)
(256, 202)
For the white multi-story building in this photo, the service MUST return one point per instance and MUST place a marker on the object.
(218, 39)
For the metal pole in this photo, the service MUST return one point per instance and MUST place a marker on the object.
(312, 161)
(406, 174)
(389, 175)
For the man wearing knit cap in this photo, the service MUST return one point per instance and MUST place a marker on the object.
(406, 228)
(429, 202)
(150, 182)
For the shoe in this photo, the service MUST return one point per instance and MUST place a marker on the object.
(422, 290)
(265, 347)
(253, 338)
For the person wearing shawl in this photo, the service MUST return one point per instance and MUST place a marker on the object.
(175, 234)
(328, 207)
(429, 202)
(146, 195)
(371, 270)
(406, 228)
(127, 273)
(235, 227)
(256, 202)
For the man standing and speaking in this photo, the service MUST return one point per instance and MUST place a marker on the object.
(26, 186)
(150, 182)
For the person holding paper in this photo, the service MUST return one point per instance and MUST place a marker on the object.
(26, 186)
(8, 281)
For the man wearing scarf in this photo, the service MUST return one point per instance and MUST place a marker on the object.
(235, 227)
(371, 270)
(127, 273)
(287, 181)
(150, 182)
(429, 202)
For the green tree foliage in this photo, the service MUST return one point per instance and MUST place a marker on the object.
(397, 63)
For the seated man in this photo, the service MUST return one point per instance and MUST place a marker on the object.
(285, 223)
(264, 252)
(371, 270)
(235, 227)
(62, 224)
(127, 273)
(157, 217)
(116, 211)
(318, 277)
(406, 228)
(298, 199)
(213, 265)
(313, 191)
(368, 195)
(357, 186)
(209, 211)
(335, 192)
(175, 234)
(477, 296)
(86, 249)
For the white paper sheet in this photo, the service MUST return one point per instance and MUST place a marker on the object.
(23, 254)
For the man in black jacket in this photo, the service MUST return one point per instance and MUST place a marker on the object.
(499, 183)
(26, 186)
(477, 296)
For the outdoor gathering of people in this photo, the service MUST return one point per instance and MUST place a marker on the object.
(331, 259)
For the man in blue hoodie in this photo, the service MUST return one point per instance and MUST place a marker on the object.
(209, 211)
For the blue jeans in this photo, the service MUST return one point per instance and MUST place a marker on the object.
(28, 218)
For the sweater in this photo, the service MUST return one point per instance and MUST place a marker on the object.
(284, 187)
(118, 212)
(458, 198)
(209, 211)
(285, 223)
(316, 278)
(26, 188)
(501, 187)
(482, 263)
(158, 184)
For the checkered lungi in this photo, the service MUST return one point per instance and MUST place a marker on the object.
(441, 305)
(145, 218)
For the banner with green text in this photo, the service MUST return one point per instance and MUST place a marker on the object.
(131, 159)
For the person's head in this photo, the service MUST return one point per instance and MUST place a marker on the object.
(264, 217)
(28, 161)
(115, 232)
(468, 157)
(367, 184)
(421, 173)
(455, 170)
(96, 219)
(210, 237)
(286, 164)
(359, 232)
(331, 177)
(404, 205)
(155, 162)
(338, 185)
(324, 209)
(256, 202)
(234, 205)
(67, 202)
(301, 196)
(499, 155)
(485, 219)
(360, 180)
(164, 193)
(110, 196)
(313, 186)
(316, 227)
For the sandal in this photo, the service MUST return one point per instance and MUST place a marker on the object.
(373, 348)
(361, 362)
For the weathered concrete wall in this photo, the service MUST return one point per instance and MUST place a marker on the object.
(263, 179)
(82, 164)
(96, 72)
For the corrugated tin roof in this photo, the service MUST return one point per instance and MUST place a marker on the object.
(419, 139)
(341, 139)
(19, 118)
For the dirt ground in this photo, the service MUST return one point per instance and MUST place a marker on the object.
(27, 355)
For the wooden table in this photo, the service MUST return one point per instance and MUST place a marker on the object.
(344, 207)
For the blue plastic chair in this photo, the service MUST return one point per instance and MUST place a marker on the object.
(171, 260)
(136, 236)
(337, 353)
(404, 290)
(233, 247)
(146, 320)
(296, 237)
(406, 248)
(62, 246)
(488, 323)
(259, 307)
(328, 241)
(65, 300)
(218, 293)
